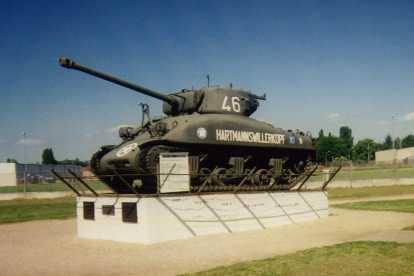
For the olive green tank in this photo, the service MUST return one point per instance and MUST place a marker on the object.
(214, 126)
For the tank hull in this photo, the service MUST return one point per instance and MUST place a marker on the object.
(216, 138)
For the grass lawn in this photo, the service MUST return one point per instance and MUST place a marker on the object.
(409, 228)
(50, 187)
(375, 173)
(401, 205)
(353, 258)
(339, 193)
(19, 210)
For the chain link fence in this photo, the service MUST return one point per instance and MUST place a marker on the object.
(22, 178)
(365, 174)
(352, 175)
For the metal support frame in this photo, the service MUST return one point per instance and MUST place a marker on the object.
(166, 177)
(272, 185)
(206, 181)
(125, 182)
(331, 177)
(236, 189)
(65, 182)
(83, 183)
(244, 180)
(307, 178)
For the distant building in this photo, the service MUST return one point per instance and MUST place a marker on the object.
(12, 174)
(395, 155)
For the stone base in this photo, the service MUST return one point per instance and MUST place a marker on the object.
(155, 219)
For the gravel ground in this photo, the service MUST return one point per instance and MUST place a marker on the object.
(52, 248)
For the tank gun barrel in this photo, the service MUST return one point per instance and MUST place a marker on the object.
(70, 64)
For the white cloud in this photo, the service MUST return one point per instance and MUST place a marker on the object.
(89, 135)
(30, 142)
(383, 123)
(409, 116)
(333, 116)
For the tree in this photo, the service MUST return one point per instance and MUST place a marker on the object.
(388, 142)
(330, 147)
(48, 158)
(408, 141)
(397, 143)
(321, 134)
(345, 133)
(11, 160)
(365, 148)
(76, 162)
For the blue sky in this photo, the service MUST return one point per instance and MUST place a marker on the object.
(323, 64)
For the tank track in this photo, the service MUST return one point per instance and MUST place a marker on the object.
(225, 178)
(215, 171)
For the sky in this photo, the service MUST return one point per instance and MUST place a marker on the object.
(322, 64)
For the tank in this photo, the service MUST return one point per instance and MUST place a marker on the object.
(228, 150)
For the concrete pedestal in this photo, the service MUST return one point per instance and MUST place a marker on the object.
(154, 219)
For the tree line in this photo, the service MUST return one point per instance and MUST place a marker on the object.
(48, 158)
(330, 147)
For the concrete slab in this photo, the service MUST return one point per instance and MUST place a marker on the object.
(187, 216)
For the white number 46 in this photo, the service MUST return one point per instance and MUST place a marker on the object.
(235, 104)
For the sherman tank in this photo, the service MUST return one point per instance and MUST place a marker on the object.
(228, 150)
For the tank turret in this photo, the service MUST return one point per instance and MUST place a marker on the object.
(214, 100)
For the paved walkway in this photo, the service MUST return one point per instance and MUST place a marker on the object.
(52, 248)
(376, 198)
